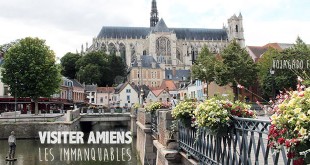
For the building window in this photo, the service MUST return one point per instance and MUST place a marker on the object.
(128, 90)
(128, 97)
(101, 99)
(163, 49)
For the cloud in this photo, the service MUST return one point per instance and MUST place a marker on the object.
(67, 24)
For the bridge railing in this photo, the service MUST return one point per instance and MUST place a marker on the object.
(245, 143)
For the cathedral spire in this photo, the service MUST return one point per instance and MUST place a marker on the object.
(154, 14)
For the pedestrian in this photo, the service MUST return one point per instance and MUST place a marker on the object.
(12, 145)
(174, 102)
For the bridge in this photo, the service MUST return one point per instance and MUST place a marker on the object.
(246, 142)
(101, 117)
(70, 115)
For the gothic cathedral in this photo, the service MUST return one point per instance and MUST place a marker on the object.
(171, 47)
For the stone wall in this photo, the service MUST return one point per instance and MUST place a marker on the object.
(30, 130)
(166, 145)
(72, 114)
(145, 148)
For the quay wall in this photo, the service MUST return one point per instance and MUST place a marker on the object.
(29, 130)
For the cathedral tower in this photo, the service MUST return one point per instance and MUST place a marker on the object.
(154, 14)
(235, 29)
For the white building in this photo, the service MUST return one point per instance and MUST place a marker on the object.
(125, 95)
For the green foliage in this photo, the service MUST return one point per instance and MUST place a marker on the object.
(284, 78)
(101, 69)
(204, 67)
(152, 107)
(264, 65)
(68, 63)
(118, 69)
(30, 70)
(236, 67)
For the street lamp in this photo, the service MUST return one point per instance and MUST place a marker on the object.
(272, 72)
(141, 96)
(15, 98)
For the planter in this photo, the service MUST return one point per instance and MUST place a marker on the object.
(219, 132)
(187, 122)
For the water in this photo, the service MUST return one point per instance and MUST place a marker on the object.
(32, 152)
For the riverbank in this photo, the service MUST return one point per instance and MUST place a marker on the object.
(27, 127)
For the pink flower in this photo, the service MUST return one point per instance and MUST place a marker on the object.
(240, 86)
(299, 79)
(301, 94)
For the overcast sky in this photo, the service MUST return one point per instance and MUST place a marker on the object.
(66, 24)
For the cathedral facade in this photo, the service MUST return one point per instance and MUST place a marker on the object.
(175, 48)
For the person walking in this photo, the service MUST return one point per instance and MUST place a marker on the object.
(12, 145)
(174, 102)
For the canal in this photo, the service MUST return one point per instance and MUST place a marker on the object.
(32, 152)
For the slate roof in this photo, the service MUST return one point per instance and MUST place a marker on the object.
(179, 74)
(181, 33)
(123, 32)
(161, 27)
(146, 62)
(91, 87)
(257, 50)
(76, 83)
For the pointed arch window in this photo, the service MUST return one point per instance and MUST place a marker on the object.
(103, 47)
(112, 49)
(237, 28)
(163, 50)
(122, 50)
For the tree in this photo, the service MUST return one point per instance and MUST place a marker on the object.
(204, 67)
(281, 61)
(236, 67)
(118, 68)
(68, 63)
(101, 69)
(92, 67)
(30, 70)
(265, 79)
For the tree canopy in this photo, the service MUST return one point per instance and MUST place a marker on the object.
(30, 70)
(68, 63)
(287, 64)
(236, 67)
(99, 68)
(204, 66)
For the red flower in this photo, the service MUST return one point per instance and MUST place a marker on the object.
(288, 144)
(290, 155)
(281, 140)
(271, 144)
(299, 161)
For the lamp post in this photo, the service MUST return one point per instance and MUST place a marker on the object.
(141, 96)
(15, 98)
(272, 72)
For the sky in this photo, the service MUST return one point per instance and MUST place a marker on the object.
(67, 24)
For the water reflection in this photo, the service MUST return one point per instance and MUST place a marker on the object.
(32, 152)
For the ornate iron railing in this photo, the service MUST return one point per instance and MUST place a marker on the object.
(154, 123)
(246, 143)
